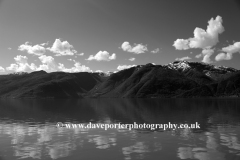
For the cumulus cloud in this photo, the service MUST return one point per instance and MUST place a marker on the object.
(183, 58)
(21, 65)
(230, 50)
(36, 49)
(2, 69)
(202, 38)
(208, 38)
(122, 67)
(46, 59)
(207, 53)
(206, 59)
(48, 63)
(77, 68)
(155, 50)
(62, 48)
(181, 44)
(131, 59)
(223, 56)
(137, 48)
(102, 56)
(59, 48)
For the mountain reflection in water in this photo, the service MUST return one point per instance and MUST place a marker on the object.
(28, 129)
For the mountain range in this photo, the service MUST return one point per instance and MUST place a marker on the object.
(179, 79)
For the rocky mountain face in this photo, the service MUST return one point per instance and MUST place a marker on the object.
(180, 79)
(212, 71)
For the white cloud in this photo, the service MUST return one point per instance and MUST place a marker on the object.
(122, 67)
(99, 71)
(21, 65)
(206, 59)
(132, 59)
(80, 54)
(208, 38)
(58, 47)
(183, 58)
(21, 59)
(9, 48)
(137, 48)
(223, 56)
(232, 48)
(46, 59)
(44, 44)
(207, 53)
(73, 60)
(102, 56)
(48, 64)
(77, 68)
(202, 39)
(199, 55)
(181, 44)
(155, 50)
(36, 49)
(126, 46)
(2, 69)
(62, 48)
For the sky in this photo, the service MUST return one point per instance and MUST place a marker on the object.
(111, 35)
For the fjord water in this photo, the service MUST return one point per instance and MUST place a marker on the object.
(28, 129)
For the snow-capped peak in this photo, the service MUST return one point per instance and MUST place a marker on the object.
(179, 65)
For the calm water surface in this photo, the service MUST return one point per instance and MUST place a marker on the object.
(28, 129)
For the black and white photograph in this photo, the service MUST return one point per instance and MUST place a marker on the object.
(119, 80)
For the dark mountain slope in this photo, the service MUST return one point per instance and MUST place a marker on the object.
(47, 85)
(144, 81)
(227, 87)
(177, 79)
(180, 79)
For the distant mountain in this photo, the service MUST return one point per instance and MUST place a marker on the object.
(177, 79)
(180, 79)
(41, 84)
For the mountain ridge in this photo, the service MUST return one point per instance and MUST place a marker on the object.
(179, 79)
